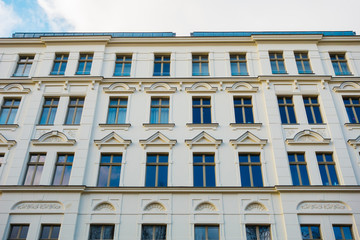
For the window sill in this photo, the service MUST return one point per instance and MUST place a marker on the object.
(317, 124)
(193, 126)
(344, 75)
(352, 126)
(240, 75)
(105, 126)
(236, 126)
(11, 127)
(279, 73)
(121, 76)
(159, 126)
(290, 124)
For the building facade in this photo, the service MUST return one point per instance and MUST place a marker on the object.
(233, 135)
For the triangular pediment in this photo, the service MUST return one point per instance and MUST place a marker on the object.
(112, 139)
(248, 139)
(158, 139)
(203, 139)
(308, 137)
(53, 138)
(6, 143)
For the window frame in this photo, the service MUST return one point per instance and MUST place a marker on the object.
(157, 165)
(154, 228)
(250, 165)
(258, 229)
(201, 106)
(327, 164)
(27, 62)
(160, 106)
(338, 62)
(89, 57)
(286, 106)
(63, 165)
(277, 60)
(353, 107)
(102, 229)
(111, 164)
(76, 107)
(238, 62)
(19, 232)
(243, 106)
(206, 229)
(36, 164)
(298, 171)
(123, 62)
(309, 226)
(63, 60)
(50, 232)
(204, 164)
(118, 107)
(202, 64)
(342, 231)
(162, 62)
(51, 107)
(311, 106)
(11, 107)
(302, 59)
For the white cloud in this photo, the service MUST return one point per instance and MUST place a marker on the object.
(8, 19)
(185, 16)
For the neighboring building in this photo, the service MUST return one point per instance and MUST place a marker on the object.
(131, 136)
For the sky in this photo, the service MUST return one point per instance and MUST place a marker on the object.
(179, 16)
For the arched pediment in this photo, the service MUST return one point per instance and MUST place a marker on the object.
(206, 207)
(239, 87)
(354, 142)
(15, 88)
(154, 207)
(203, 139)
(201, 87)
(308, 137)
(6, 143)
(255, 207)
(119, 88)
(248, 139)
(348, 87)
(160, 87)
(53, 138)
(104, 207)
(112, 139)
(157, 139)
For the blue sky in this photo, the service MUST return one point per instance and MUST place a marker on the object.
(180, 16)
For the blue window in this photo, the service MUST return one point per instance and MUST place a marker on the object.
(159, 112)
(101, 232)
(162, 65)
(63, 169)
(286, 108)
(34, 169)
(243, 110)
(204, 170)
(302, 62)
(117, 111)
(327, 169)
(8, 110)
(50, 232)
(200, 65)
(85, 63)
(310, 232)
(299, 173)
(250, 170)
(156, 170)
(23, 66)
(49, 111)
(277, 63)
(207, 232)
(123, 65)
(339, 63)
(257, 232)
(238, 65)
(352, 106)
(74, 111)
(18, 231)
(201, 110)
(312, 108)
(342, 232)
(60, 63)
(109, 172)
(153, 232)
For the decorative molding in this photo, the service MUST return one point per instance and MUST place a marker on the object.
(211, 126)
(242, 87)
(53, 138)
(203, 139)
(201, 87)
(119, 88)
(255, 207)
(347, 87)
(248, 139)
(14, 88)
(322, 206)
(38, 206)
(159, 126)
(104, 207)
(157, 139)
(160, 87)
(354, 142)
(154, 206)
(122, 126)
(206, 207)
(308, 137)
(236, 126)
(6, 143)
(112, 139)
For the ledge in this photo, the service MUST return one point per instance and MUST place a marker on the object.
(352, 126)
(236, 126)
(105, 126)
(201, 126)
(11, 127)
(159, 126)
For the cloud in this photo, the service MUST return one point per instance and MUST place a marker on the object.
(8, 19)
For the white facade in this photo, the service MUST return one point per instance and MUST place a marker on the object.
(180, 206)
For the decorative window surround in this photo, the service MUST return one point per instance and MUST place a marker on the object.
(159, 126)
(308, 137)
(14, 88)
(354, 142)
(255, 207)
(206, 207)
(204, 126)
(160, 87)
(237, 126)
(53, 138)
(242, 87)
(347, 87)
(6, 143)
(248, 139)
(203, 139)
(112, 139)
(154, 207)
(11, 127)
(124, 126)
(201, 87)
(119, 88)
(104, 207)
(157, 139)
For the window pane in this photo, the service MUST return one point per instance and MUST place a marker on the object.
(333, 176)
(251, 233)
(111, 116)
(127, 69)
(154, 115)
(315, 232)
(196, 115)
(239, 118)
(213, 232)
(150, 176)
(245, 176)
(162, 178)
(257, 176)
(103, 176)
(58, 173)
(347, 232)
(207, 115)
(198, 176)
(309, 115)
(196, 69)
(115, 176)
(38, 175)
(304, 175)
(70, 115)
(283, 114)
(294, 175)
(324, 176)
(122, 116)
(200, 233)
(29, 175)
(12, 116)
(210, 176)
(52, 115)
(164, 117)
(249, 115)
(78, 115)
(66, 175)
(291, 115)
(166, 69)
(337, 232)
(157, 69)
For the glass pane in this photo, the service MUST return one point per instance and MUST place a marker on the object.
(157, 69)
(210, 176)
(209, 158)
(117, 158)
(213, 233)
(108, 232)
(154, 115)
(105, 158)
(14, 231)
(243, 158)
(257, 176)
(127, 69)
(274, 67)
(317, 114)
(103, 176)
(337, 232)
(264, 233)
(324, 176)
(19, 70)
(95, 232)
(70, 158)
(207, 115)
(198, 158)
(37, 176)
(115, 176)
(52, 116)
(196, 115)
(163, 158)
(151, 158)
(150, 176)
(301, 157)
(78, 115)
(243, 69)
(122, 116)
(344, 67)
(198, 176)
(305, 232)
(3, 115)
(291, 157)
(56, 67)
(291, 115)
(67, 173)
(24, 231)
(80, 68)
(234, 69)
(162, 178)
(307, 67)
(164, 118)
(315, 232)
(62, 68)
(147, 232)
(255, 158)
(118, 69)
(351, 115)
(283, 115)
(45, 232)
(160, 232)
(245, 176)
(166, 69)
(239, 118)
(347, 232)
(111, 116)
(87, 68)
(300, 67)
(195, 69)
(333, 176)
(29, 175)
(57, 177)
(309, 115)
(304, 175)
(200, 233)
(251, 233)
(206, 101)
(70, 115)
(55, 232)
(294, 175)
(12, 116)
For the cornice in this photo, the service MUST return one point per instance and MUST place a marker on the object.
(275, 37)
(295, 77)
(66, 39)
